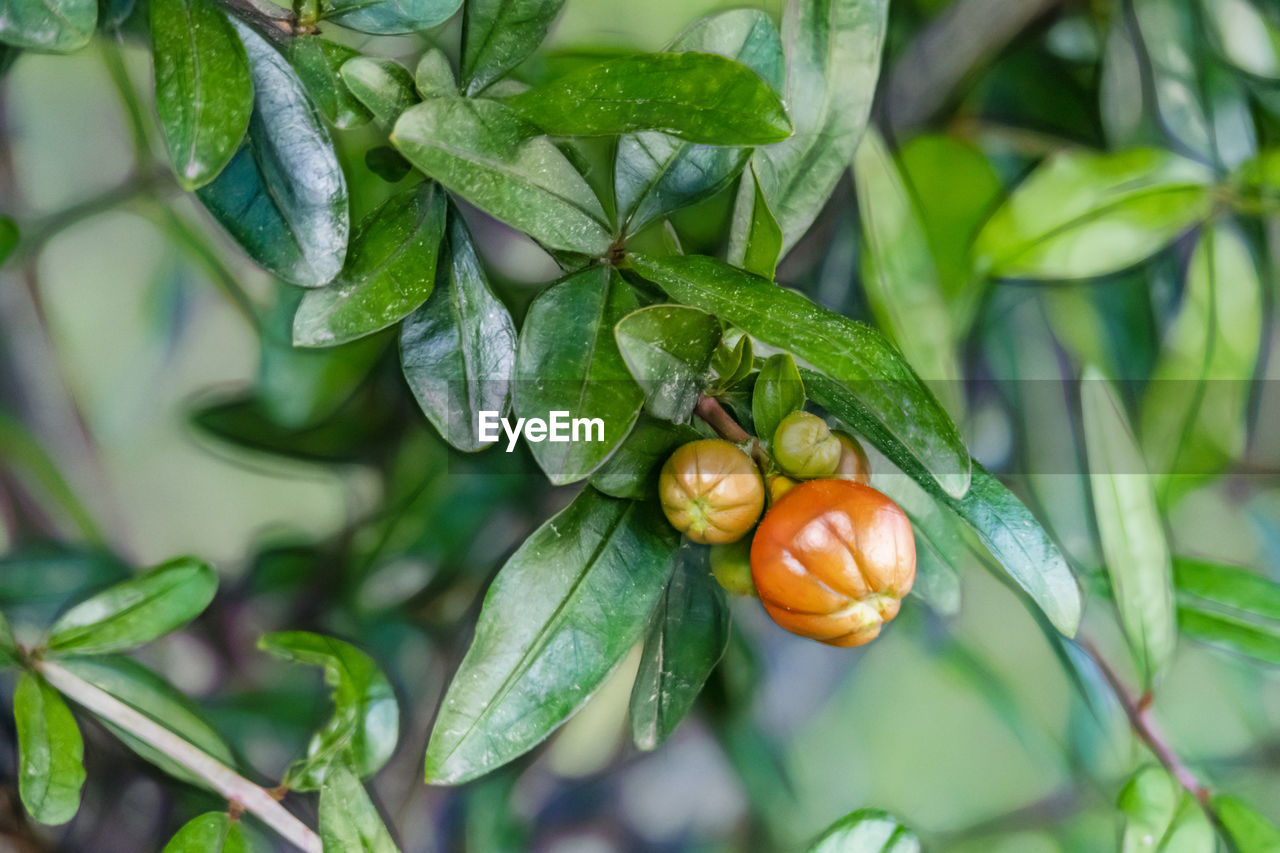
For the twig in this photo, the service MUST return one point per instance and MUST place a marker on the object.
(710, 410)
(275, 22)
(151, 183)
(224, 780)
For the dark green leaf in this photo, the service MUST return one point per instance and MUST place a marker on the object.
(390, 271)
(60, 26)
(1133, 539)
(896, 412)
(485, 153)
(214, 832)
(698, 97)
(545, 643)
(1083, 214)
(39, 582)
(568, 361)
(137, 611)
(1230, 586)
(352, 433)
(458, 350)
(1261, 642)
(763, 234)
(668, 349)
(384, 86)
(867, 831)
(686, 640)
(388, 17)
(283, 196)
(631, 472)
(1249, 831)
(50, 752)
(1160, 816)
(433, 76)
(318, 63)
(203, 92)
(349, 821)
(8, 645)
(386, 162)
(497, 35)
(779, 391)
(365, 725)
(8, 238)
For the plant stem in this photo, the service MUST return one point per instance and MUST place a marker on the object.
(238, 790)
(276, 23)
(715, 416)
(138, 122)
(155, 182)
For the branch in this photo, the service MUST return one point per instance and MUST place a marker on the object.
(238, 790)
(276, 23)
(710, 410)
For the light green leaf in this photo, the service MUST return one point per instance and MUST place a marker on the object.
(60, 26)
(349, 821)
(1260, 641)
(390, 271)
(9, 237)
(1161, 817)
(544, 643)
(763, 234)
(388, 17)
(384, 86)
(867, 831)
(137, 611)
(1230, 586)
(485, 153)
(1249, 831)
(318, 63)
(433, 76)
(1133, 539)
(732, 364)
(214, 832)
(668, 349)
(779, 391)
(8, 645)
(497, 35)
(1083, 214)
(1244, 36)
(50, 752)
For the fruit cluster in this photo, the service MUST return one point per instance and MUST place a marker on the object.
(832, 558)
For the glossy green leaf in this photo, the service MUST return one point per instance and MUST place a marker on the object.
(1134, 545)
(779, 391)
(60, 26)
(487, 154)
(390, 271)
(349, 821)
(897, 412)
(365, 726)
(1251, 639)
(388, 17)
(386, 162)
(544, 643)
(567, 360)
(698, 97)
(1195, 409)
(1244, 36)
(384, 86)
(1249, 831)
(353, 433)
(137, 611)
(433, 76)
(943, 551)
(899, 276)
(632, 471)
(9, 237)
(1159, 815)
(203, 91)
(867, 831)
(732, 364)
(1230, 586)
(318, 63)
(1083, 214)
(686, 640)
(668, 349)
(283, 197)
(497, 35)
(8, 645)
(214, 832)
(763, 234)
(654, 173)
(50, 752)
(833, 58)
(458, 350)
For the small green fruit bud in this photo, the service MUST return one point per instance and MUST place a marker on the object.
(804, 447)
(731, 566)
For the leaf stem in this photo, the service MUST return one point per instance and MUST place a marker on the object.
(133, 108)
(238, 790)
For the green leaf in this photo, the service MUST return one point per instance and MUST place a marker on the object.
(353, 433)
(1133, 539)
(1258, 641)
(1195, 408)
(203, 91)
(763, 235)
(214, 832)
(1159, 815)
(668, 349)
(779, 391)
(698, 97)
(318, 63)
(60, 26)
(433, 76)
(943, 550)
(1249, 831)
(497, 35)
(654, 173)
(384, 86)
(349, 821)
(137, 611)
(1230, 586)
(388, 17)
(899, 276)
(567, 360)
(1083, 214)
(487, 154)
(386, 162)
(1244, 36)
(9, 655)
(688, 637)
(632, 471)
(365, 726)
(732, 364)
(283, 197)
(390, 271)
(867, 831)
(833, 59)
(152, 696)
(458, 350)
(897, 413)
(9, 237)
(50, 752)
(544, 642)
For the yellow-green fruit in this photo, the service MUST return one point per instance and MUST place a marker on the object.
(711, 491)
(804, 447)
(854, 464)
(778, 486)
(731, 566)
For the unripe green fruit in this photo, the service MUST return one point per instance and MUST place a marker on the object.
(731, 567)
(804, 447)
